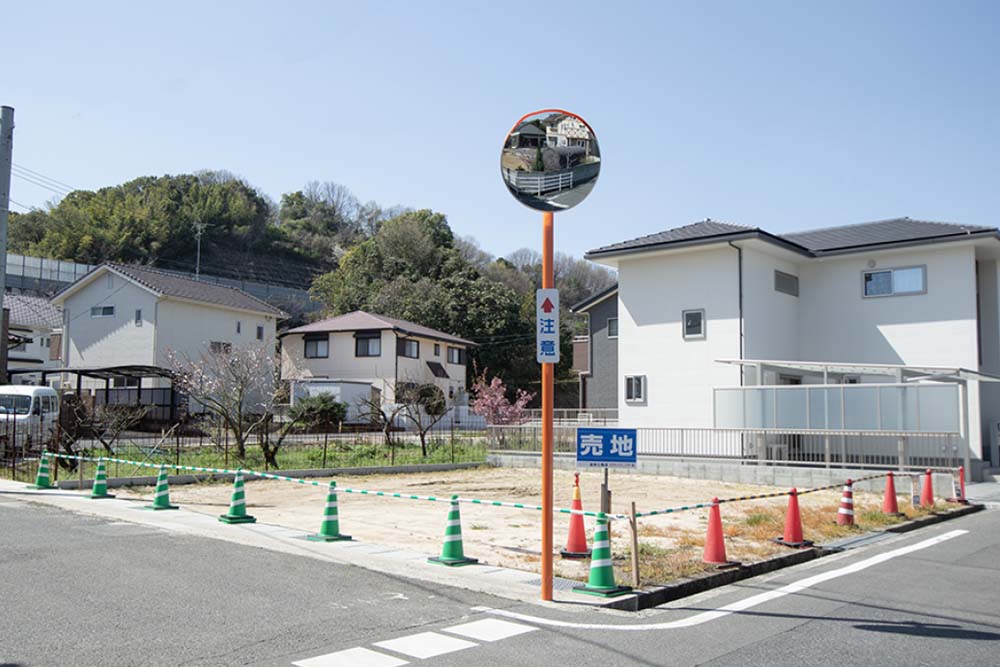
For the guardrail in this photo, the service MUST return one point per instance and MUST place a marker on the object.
(535, 183)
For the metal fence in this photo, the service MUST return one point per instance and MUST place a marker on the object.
(575, 416)
(845, 448)
(533, 182)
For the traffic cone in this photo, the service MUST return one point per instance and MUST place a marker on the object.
(576, 544)
(42, 480)
(161, 497)
(845, 515)
(329, 531)
(452, 553)
(793, 524)
(715, 544)
(238, 504)
(889, 504)
(100, 488)
(959, 489)
(927, 490)
(602, 572)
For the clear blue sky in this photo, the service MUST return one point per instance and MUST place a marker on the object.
(780, 115)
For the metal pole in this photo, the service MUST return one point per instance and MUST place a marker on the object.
(548, 374)
(633, 522)
(6, 155)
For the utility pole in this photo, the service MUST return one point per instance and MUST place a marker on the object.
(6, 156)
(199, 229)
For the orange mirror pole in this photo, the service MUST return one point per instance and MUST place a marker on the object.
(548, 374)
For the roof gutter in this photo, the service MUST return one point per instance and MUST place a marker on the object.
(739, 273)
(704, 240)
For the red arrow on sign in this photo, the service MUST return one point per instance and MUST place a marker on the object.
(547, 305)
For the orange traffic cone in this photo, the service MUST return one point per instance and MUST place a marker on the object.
(793, 524)
(715, 545)
(927, 490)
(576, 544)
(845, 515)
(889, 504)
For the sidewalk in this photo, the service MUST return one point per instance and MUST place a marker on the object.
(986, 493)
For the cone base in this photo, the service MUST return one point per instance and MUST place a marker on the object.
(328, 538)
(453, 562)
(566, 553)
(101, 496)
(795, 545)
(225, 518)
(603, 592)
(168, 507)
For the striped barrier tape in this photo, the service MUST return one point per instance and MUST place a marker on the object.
(363, 492)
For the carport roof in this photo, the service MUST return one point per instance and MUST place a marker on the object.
(908, 372)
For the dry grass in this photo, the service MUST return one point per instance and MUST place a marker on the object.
(668, 553)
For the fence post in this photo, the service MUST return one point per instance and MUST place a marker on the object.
(177, 451)
(326, 440)
(634, 524)
(452, 428)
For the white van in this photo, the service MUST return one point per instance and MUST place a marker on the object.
(28, 414)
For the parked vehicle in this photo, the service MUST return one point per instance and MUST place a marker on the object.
(28, 416)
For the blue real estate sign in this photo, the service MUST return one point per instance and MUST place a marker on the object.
(605, 447)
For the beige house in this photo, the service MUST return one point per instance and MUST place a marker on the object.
(362, 352)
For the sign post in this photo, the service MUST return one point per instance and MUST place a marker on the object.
(550, 162)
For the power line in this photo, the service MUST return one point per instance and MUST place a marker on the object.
(41, 184)
(17, 203)
(43, 176)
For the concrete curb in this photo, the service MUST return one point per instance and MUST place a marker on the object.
(150, 480)
(682, 588)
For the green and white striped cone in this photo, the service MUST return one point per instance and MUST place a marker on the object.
(238, 504)
(602, 572)
(100, 488)
(330, 530)
(42, 480)
(161, 497)
(452, 552)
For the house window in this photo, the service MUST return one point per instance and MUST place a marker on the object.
(239, 327)
(260, 332)
(635, 388)
(786, 283)
(408, 348)
(317, 346)
(456, 355)
(612, 327)
(437, 350)
(368, 344)
(694, 324)
(102, 311)
(110, 282)
(220, 347)
(138, 317)
(895, 282)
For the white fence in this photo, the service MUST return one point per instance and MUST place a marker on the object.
(536, 182)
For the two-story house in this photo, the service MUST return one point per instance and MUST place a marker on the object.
(354, 355)
(595, 356)
(36, 323)
(121, 315)
(710, 312)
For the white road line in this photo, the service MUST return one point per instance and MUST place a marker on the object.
(425, 645)
(490, 629)
(352, 657)
(740, 605)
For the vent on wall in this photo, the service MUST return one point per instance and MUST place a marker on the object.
(786, 283)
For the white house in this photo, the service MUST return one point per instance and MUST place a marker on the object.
(120, 315)
(36, 322)
(359, 353)
(709, 312)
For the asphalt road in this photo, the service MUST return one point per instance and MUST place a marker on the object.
(79, 590)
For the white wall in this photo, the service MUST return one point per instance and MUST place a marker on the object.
(680, 374)
(770, 317)
(109, 341)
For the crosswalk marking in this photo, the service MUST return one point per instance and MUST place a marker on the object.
(352, 657)
(425, 645)
(490, 629)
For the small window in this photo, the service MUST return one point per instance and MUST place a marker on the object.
(895, 282)
(694, 324)
(635, 388)
(437, 350)
(110, 281)
(138, 317)
(408, 348)
(317, 346)
(368, 345)
(220, 347)
(239, 327)
(612, 327)
(260, 332)
(786, 283)
(456, 355)
(102, 311)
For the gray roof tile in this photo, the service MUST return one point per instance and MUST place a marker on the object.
(32, 311)
(895, 230)
(697, 231)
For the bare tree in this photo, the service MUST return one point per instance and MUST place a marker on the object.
(424, 406)
(236, 384)
(383, 416)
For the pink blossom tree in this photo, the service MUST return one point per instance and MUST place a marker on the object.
(489, 400)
